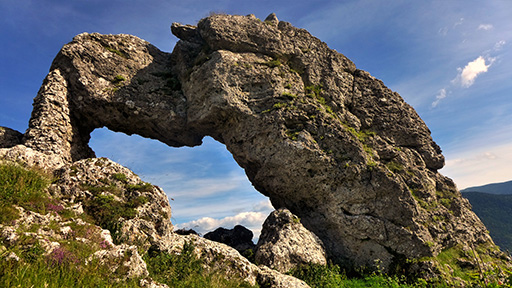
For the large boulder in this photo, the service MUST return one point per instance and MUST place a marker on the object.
(284, 243)
(9, 137)
(239, 238)
(316, 135)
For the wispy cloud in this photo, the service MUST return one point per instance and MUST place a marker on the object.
(440, 96)
(470, 72)
(202, 187)
(473, 167)
(499, 45)
(485, 27)
(459, 22)
(263, 206)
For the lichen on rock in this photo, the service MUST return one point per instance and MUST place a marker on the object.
(318, 136)
(284, 243)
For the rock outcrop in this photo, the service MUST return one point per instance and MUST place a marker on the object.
(315, 134)
(284, 243)
(239, 238)
(97, 212)
(9, 137)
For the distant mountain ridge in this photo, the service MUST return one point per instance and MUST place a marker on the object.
(494, 210)
(503, 188)
(493, 205)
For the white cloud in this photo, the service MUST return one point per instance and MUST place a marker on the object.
(485, 27)
(203, 187)
(443, 31)
(458, 23)
(250, 220)
(440, 96)
(499, 45)
(263, 206)
(474, 167)
(467, 76)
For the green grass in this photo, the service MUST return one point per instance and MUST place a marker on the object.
(59, 269)
(394, 166)
(186, 270)
(331, 276)
(106, 213)
(21, 187)
(272, 63)
(119, 177)
(115, 51)
(118, 79)
(289, 95)
(314, 91)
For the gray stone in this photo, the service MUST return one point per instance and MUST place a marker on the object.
(316, 135)
(284, 243)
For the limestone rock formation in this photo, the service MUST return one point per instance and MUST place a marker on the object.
(239, 238)
(97, 211)
(9, 137)
(284, 243)
(315, 134)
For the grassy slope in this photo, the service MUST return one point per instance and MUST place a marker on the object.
(495, 211)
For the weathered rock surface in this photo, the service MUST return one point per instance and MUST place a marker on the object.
(239, 237)
(9, 137)
(284, 243)
(125, 218)
(321, 138)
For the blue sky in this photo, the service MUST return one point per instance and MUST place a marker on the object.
(451, 60)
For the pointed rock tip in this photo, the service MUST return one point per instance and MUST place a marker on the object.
(272, 18)
(185, 32)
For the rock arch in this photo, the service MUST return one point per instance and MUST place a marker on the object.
(318, 136)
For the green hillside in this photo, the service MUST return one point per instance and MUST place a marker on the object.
(495, 211)
(494, 188)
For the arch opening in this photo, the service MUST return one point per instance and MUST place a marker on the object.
(207, 189)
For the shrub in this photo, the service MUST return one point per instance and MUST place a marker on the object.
(118, 79)
(119, 177)
(106, 212)
(141, 187)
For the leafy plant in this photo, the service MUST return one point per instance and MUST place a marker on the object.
(106, 212)
(317, 275)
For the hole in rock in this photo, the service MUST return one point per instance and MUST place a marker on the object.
(208, 188)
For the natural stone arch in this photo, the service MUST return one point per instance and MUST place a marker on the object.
(318, 136)
(204, 178)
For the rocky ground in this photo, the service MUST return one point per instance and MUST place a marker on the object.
(328, 143)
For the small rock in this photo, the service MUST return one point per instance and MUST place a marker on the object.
(272, 18)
